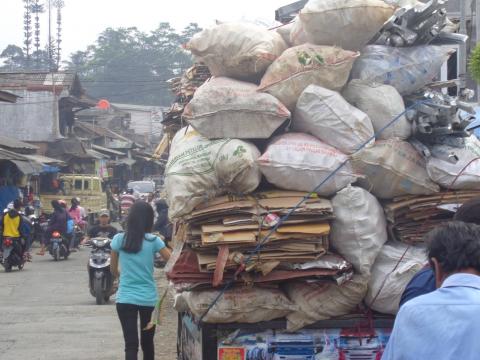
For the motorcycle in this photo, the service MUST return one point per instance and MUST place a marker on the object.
(58, 247)
(101, 280)
(79, 234)
(12, 254)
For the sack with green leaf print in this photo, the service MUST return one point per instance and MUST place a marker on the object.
(304, 65)
(199, 169)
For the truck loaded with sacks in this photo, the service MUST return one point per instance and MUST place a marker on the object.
(313, 162)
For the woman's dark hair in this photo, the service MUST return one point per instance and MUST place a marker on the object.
(456, 246)
(469, 212)
(56, 205)
(139, 222)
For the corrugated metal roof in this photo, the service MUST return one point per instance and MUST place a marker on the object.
(100, 131)
(6, 96)
(8, 142)
(10, 155)
(44, 159)
(41, 81)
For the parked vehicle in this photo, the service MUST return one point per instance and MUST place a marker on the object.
(142, 188)
(12, 254)
(100, 279)
(58, 246)
(89, 188)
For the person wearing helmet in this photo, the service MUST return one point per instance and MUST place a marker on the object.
(13, 225)
(57, 222)
(77, 214)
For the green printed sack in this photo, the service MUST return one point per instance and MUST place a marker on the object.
(199, 169)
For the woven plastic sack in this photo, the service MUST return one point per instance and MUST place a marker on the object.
(382, 104)
(321, 301)
(227, 108)
(238, 50)
(393, 168)
(394, 268)
(304, 65)
(359, 229)
(243, 305)
(349, 24)
(328, 116)
(407, 69)
(300, 162)
(199, 169)
(297, 34)
(462, 171)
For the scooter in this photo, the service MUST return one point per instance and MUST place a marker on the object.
(100, 279)
(58, 247)
(12, 254)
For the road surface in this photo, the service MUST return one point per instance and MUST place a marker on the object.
(47, 312)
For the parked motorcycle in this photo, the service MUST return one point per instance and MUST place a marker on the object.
(58, 247)
(12, 254)
(100, 279)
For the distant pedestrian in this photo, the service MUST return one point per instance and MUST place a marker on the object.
(133, 253)
(442, 325)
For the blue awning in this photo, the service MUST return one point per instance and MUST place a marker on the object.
(50, 169)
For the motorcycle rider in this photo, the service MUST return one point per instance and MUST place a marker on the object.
(12, 225)
(162, 224)
(77, 213)
(57, 222)
(103, 229)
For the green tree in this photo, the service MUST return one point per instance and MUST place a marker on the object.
(128, 65)
(14, 58)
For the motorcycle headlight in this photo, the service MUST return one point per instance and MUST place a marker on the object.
(100, 242)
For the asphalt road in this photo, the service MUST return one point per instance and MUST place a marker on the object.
(47, 312)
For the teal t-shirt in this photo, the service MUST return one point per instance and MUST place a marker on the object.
(137, 285)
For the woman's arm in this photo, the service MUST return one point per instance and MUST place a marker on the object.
(114, 264)
(165, 252)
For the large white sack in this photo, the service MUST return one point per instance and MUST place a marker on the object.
(359, 229)
(244, 305)
(321, 301)
(228, 108)
(461, 175)
(407, 69)
(394, 268)
(199, 169)
(304, 65)
(349, 24)
(382, 103)
(296, 161)
(393, 168)
(328, 116)
(238, 50)
(297, 34)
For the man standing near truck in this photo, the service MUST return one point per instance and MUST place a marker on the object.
(443, 324)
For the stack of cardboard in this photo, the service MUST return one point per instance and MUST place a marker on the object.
(225, 233)
(411, 217)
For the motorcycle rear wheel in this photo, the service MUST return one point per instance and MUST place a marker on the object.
(7, 266)
(98, 289)
(56, 254)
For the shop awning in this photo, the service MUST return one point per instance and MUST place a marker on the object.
(28, 167)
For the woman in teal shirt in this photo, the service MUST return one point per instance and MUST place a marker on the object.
(133, 252)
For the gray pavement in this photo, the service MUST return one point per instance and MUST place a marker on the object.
(47, 312)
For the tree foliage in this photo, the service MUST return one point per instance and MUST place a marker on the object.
(127, 65)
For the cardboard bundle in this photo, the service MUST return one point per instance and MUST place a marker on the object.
(410, 218)
(225, 233)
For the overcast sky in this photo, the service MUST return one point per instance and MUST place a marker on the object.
(83, 20)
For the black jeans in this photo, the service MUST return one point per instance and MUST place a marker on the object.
(128, 315)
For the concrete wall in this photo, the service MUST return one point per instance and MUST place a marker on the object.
(34, 117)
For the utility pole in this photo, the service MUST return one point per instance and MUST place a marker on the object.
(50, 50)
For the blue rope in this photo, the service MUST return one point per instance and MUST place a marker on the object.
(259, 246)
